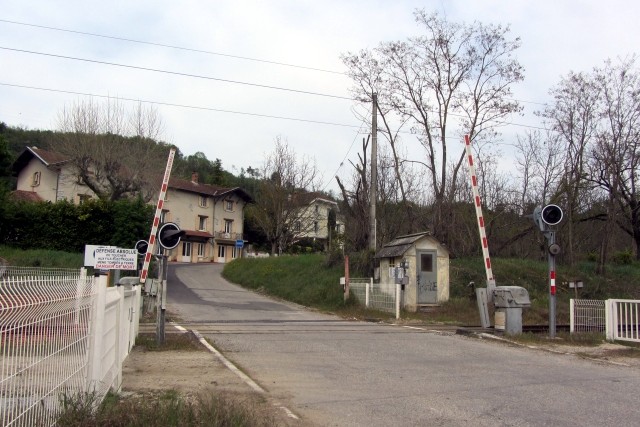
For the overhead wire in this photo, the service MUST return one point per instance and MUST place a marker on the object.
(170, 104)
(209, 78)
(208, 52)
(175, 73)
(345, 157)
(169, 46)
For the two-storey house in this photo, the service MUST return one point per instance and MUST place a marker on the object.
(311, 220)
(212, 216)
(48, 176)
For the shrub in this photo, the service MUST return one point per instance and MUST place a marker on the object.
(622, 258)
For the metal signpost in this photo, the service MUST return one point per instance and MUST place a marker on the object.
(546, 218)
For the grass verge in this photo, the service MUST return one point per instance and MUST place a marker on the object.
(167, 408)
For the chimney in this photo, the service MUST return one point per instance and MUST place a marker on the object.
(194, 177)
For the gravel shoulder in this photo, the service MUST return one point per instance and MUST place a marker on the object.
(192, 373)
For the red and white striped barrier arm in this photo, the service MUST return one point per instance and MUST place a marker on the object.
(156, 219)
(476, 198)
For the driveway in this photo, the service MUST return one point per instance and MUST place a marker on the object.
(345, 373)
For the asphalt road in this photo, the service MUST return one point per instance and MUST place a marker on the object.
(345, 373)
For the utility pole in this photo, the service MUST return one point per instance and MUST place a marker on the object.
(373, 192)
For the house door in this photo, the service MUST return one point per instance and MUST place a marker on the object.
(186, 252)
(222, 254)
(427, 278)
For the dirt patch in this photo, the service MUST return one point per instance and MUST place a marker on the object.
(192, 373)
(606, 352)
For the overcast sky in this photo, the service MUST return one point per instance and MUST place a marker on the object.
(557, 37)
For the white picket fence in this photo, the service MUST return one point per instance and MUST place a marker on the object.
(619, 319)
(62, 334)
(380, 296)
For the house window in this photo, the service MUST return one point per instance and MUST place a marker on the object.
(164, 216)
(317, 209)
(201, 250)
(221, 251)
(202, 201)
(234, 252)
(82, 198)
(298, 226)
(186, 249)
(426, 262)
(315, 226)
(228, 225)
(229, 205)
(36, 179)
(202, 223)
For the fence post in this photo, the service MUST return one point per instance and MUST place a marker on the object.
(572, 315)
(80, 284)
(608, 315)
(94, 364)
(398, 300)
(367, 289)
(120, 335)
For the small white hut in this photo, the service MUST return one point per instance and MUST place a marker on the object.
(426, 265)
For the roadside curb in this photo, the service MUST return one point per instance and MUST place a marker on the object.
(233, 368)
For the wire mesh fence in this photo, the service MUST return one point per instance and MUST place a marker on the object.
(62, 334)
(379, 296)
(587, 315)
(44, 328)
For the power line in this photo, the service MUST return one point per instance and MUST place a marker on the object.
(169, 104)
(344, 158)
(176, 73)
(208, 52)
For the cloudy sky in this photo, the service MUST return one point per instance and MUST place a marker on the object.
(203, 47)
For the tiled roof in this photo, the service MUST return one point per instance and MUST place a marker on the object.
(49, 157)
(207, 189)
(401, 244)
(26, 196)
(303, 199)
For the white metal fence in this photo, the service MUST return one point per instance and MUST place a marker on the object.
(619, 319)
(62, 334)
(380, 296)
(587, 315)
(623, 320)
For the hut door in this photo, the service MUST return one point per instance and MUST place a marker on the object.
(427, 278)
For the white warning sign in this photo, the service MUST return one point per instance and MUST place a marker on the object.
(116, 259)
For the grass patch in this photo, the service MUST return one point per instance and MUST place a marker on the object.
(167, 408)
(302, 279)
(172, 341)
(307, 280)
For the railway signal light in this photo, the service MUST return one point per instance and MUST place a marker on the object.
(169, 235)
(549, 215)
(141, 247)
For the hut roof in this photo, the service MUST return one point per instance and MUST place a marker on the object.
(401, 244)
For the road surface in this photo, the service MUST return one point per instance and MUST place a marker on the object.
(334, 372)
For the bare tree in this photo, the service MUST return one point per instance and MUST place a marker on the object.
(454, 79)
(355, 202)
(615, 157)
(112, 151)
(573, 118)
(280, 206)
